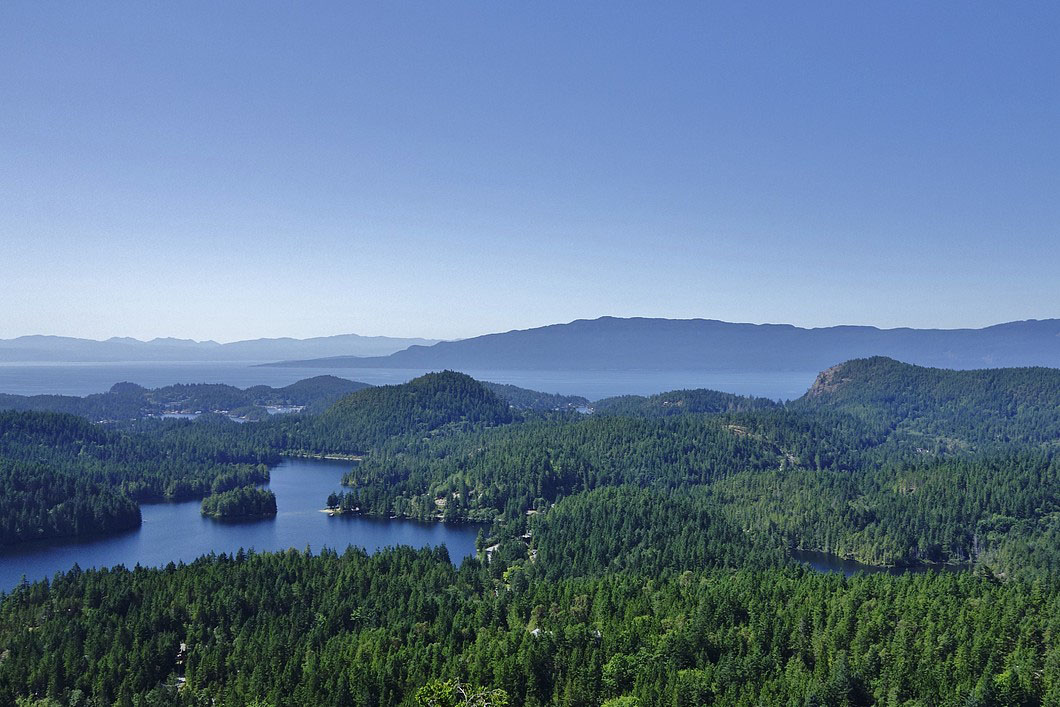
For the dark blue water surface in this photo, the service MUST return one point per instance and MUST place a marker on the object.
(825, 562)
(173, 532)
(177, 532)
(87, 378)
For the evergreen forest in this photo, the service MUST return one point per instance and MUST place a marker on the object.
(632, 551)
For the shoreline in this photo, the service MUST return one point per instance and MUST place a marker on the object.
(381, 516)
(327, 457)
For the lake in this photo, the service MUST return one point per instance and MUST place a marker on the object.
(173, 532)
(177, 532)
(87, 378)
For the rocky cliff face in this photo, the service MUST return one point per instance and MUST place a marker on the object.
(828, 381)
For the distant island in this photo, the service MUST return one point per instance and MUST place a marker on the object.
(611, 343)
(128, 401)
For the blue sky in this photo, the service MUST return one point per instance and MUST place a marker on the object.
(227, 170)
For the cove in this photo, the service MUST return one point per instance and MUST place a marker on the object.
(177, 532)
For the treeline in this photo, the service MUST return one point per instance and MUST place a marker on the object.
(942, 411)
(952, 511)
(524, 399)
(38, 502)
(61, 475)
(178, 461)
(295, 629)
(426, 404)
(680, 402)
(241, 502)
(650, 532)
(511, 469)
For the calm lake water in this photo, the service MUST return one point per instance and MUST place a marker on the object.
(173, 532)
(177, 532)
(87, 378)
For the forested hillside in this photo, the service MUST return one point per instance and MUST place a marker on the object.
(164, 465)
(950, 511)
(515, 468)
(425, 404)
(941, 410)
(654, 533)
(61, 475)
(37, 501)
(351, 629)
(640, 554)
(680, 402)
(524, 399)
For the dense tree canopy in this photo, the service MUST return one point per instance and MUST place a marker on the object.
(295, 629)
(240, 502)
(680, 402)
(637, 555)
(939, 410)
(38, 501)
(61, 475)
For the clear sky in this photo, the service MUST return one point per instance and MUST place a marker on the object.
(444, 169)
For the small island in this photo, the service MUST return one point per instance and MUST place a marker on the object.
(242, 502)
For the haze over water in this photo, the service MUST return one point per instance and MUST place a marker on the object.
(87, 378)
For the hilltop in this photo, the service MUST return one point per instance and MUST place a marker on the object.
(427, 403)
(680, 402)
(943, 409)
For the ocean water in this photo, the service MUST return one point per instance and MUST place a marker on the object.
(87, 378)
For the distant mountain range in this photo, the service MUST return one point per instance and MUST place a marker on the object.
(610, 343)
(64, 348)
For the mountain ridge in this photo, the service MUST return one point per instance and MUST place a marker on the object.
(640, 343)
(51, 348)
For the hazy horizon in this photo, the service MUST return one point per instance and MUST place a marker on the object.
(501, 331)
